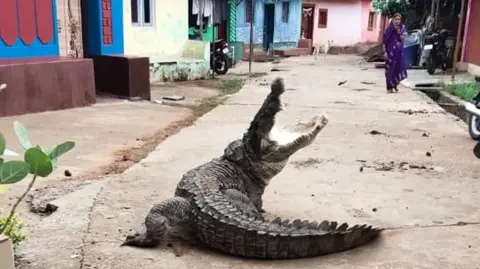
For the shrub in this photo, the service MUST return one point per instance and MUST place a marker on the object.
(37, 161)
(14, 230)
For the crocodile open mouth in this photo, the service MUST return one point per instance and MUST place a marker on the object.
(285, 135)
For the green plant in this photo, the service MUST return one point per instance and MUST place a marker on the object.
(13, 230)
(390, 7)
(37, 161)
(464, 91)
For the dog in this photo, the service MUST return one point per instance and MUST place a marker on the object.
(324, 48)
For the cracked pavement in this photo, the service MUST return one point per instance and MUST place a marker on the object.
(431, 215)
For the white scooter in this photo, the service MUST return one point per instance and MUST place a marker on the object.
(474, 118)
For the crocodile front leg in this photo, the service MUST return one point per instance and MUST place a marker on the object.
(173, 212)
(242, 202)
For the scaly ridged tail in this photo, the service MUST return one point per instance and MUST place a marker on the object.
(221, 226)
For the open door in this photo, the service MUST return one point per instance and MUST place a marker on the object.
(306, 31)
(268, 26)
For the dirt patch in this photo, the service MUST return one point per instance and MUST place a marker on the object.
(310, 162)
(252, 75)
(343, 102)
(411, 112)
(360, 89)
(375, 132)
(392, 166)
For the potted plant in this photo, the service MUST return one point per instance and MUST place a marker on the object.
(39, 162)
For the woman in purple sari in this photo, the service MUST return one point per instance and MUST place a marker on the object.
(393, 37)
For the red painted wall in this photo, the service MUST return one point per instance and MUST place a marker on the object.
(472, 50)
(107, 22)
(26, 20)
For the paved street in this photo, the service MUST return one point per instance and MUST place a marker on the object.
(429, 204)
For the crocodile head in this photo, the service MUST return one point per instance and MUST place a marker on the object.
(265, 147)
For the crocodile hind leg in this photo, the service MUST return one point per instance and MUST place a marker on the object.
(173, 212)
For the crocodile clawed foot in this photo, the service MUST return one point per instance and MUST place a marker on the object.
(140, 240)
(131, 237)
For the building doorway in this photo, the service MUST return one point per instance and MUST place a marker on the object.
(268, 26)
(306, 31)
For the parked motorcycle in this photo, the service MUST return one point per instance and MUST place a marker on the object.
(438, 51)
(474, 117)
(222, 61)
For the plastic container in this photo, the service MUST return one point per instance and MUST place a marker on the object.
(410, 54)
(411, 47)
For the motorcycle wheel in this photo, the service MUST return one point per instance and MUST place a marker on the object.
(474, 127)
(431, 65)
(221, 66)
(444, 65)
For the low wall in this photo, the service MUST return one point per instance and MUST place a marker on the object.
(47, 83)
(123, 76)
(194, 63)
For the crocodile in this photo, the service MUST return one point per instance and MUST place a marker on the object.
(219, 203)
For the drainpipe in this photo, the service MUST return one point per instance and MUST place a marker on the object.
(213, 39)
(200, 14)
(250, 54)
(466, 32)
(457, 42)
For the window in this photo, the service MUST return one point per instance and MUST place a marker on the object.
(248, 11)
(142, 12)
(372, 20)
(134, 9)
(285, 11)
(322, 18)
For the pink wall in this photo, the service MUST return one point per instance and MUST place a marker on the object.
(343, 25)
(372, 35)
(347, 22)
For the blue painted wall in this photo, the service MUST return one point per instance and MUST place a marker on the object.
(37, 48)
(286, 34)
(95, 28)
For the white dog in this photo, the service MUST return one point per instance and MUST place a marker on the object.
(324, 48)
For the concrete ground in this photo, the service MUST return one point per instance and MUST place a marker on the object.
(429, 205)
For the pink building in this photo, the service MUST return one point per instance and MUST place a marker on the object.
(471, 37)
(346, 22)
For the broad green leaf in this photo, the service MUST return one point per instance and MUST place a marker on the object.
(3, 144)
(47, 151)
(54, 164)
(13, 171)
(8, 152)
(22, 134)
(40, 163)
(61, 149)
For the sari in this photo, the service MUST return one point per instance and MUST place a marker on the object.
(395, 70)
